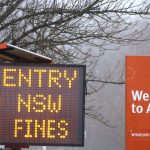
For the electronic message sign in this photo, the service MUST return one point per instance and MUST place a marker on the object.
(42, 104)
(138, 103)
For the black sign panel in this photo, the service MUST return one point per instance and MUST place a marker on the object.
(42, 104)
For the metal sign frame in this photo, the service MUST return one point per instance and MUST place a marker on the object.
(82, 107)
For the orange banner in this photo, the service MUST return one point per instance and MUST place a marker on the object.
(138, 103)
